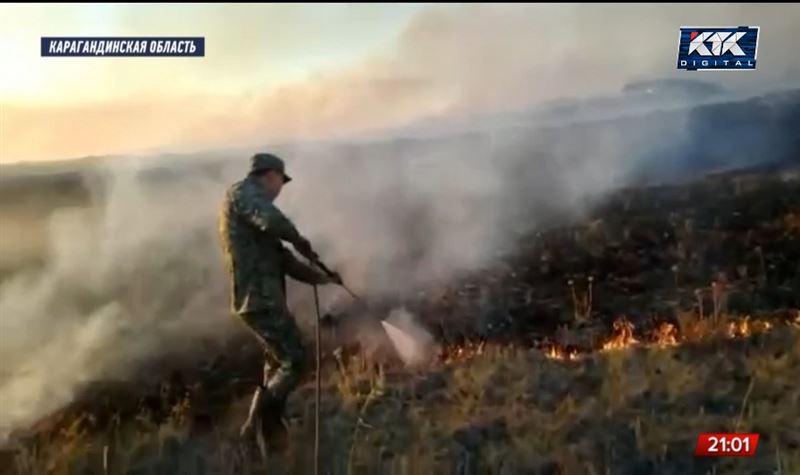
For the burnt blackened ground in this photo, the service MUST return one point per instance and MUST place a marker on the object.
(729, 243)
(703, 257)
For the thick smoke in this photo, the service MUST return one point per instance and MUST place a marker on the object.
(125, 280)
(138, 272)
(448, 60)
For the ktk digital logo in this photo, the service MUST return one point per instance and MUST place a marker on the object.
(718, 48)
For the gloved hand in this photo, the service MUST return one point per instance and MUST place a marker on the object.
(335, 278)
(303, 246)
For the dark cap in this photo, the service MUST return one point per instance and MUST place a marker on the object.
(268, 161)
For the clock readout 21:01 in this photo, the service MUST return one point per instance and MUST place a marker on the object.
(726, 445)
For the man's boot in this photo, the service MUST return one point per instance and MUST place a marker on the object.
(251, 441)
(261, 399)
(266, 414)
(273, 426)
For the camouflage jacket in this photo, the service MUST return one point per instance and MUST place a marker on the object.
(251, 229)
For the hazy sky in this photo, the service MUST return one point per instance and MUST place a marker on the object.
(249, 47)
(284, 72)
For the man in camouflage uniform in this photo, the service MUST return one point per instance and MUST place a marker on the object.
(251, 230)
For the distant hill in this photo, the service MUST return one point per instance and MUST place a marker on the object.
(695, 139)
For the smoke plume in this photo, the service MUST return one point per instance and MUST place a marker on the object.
(449, 60)
(137, 271)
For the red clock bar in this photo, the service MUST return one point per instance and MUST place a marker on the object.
(726, 445)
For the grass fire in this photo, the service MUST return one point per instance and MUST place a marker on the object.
(399, 239)
(623, 385)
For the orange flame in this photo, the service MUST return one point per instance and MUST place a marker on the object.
(738, 328)
(622, 337)
(558, 352)
(665, 335)
(746, 327)
(463, 352)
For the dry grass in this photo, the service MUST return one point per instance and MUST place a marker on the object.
(689, 325)
(506, 410)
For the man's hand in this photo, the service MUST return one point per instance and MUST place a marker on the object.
(303, 246)
(334, 278)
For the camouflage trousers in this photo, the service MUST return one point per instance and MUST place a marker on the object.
(284, 350)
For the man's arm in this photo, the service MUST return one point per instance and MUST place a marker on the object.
(302, 272)
(251, 203)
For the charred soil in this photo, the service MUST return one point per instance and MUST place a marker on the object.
(603, 345)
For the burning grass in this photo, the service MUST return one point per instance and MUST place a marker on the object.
(679, 316)
(634, 404)
(624, 336)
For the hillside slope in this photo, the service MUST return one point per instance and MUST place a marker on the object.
(599, 346)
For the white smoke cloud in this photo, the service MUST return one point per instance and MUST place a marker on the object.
(449, 61)
(118, 287)
(138, 272)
